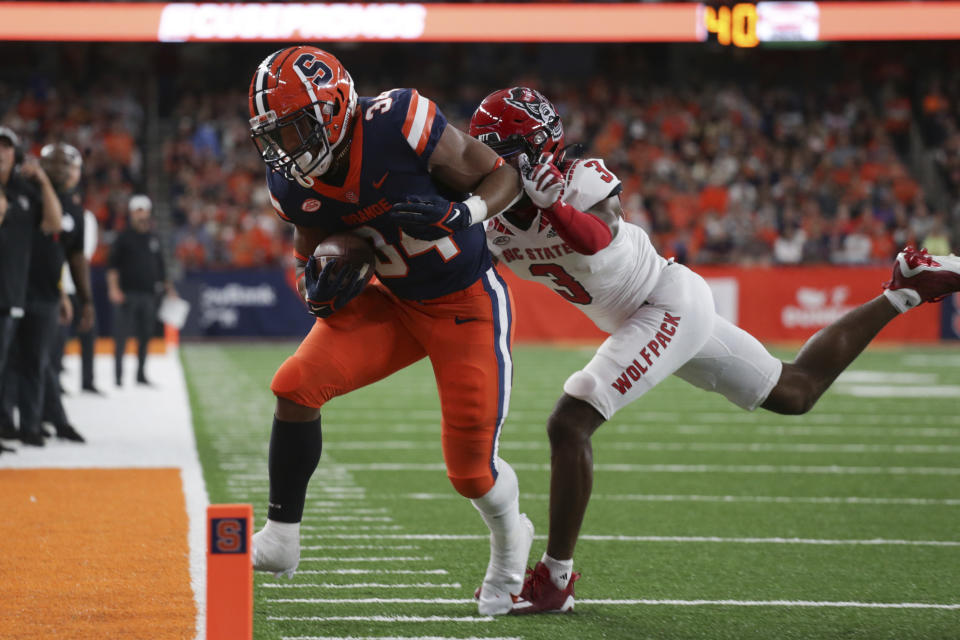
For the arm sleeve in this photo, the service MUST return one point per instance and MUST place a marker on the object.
(585, 233)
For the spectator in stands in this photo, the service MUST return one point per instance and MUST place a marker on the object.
(135, 277)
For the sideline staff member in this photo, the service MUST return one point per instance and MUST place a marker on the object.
(136, 275)
(31, 204)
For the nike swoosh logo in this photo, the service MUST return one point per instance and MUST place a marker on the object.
(376, 185)
(459, 320)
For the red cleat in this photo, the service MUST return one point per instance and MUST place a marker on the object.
(933, 278)
(541, 595)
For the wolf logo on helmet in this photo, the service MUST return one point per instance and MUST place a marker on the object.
(539, 108)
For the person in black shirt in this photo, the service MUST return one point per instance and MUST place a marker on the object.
(135, 276)
(63, 164)
(32, 208)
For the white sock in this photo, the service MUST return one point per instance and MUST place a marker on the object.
(902, 299)
(500, 507)
(560, 570)
(285, 531)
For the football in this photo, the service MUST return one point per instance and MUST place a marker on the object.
(348, 249)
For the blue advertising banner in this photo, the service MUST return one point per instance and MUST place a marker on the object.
(242, 303)
(950, 320)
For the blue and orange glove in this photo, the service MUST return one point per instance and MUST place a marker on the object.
(430, 217)
(332, 287)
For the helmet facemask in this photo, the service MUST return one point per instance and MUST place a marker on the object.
(297, 145)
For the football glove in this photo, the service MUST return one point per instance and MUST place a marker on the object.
(430, 217)
(332, 287)
(542, 182)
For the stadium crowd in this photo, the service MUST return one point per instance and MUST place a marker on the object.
(718, 171)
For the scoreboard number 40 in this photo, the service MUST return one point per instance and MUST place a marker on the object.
(736, 25)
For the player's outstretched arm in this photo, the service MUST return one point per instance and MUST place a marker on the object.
(466, 164)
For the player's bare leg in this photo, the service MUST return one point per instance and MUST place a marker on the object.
(549, 585)
(824, 357)
(917, 278)
(295, 445)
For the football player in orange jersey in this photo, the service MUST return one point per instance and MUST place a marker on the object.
(390, 169)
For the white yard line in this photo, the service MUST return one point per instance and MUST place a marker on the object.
(138, 427)
(378, 547)
(681, 603)
(687, 468)
(364, 585)
(641, 497)
(355, 572)
(397, 638)
(372, 559)
(382, 618)
(736, 447)
(698, 539)
(778, 603)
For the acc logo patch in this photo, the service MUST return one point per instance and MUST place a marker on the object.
(352, 197)
(310, 205)
(501, 240)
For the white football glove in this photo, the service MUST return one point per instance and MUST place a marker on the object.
(542, 182)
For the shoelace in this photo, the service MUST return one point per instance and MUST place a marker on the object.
(533, 584)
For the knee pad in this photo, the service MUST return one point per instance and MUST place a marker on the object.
(581, 385)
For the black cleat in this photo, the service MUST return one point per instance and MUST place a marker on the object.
(34, 439)
(89, 388)
(67, 432)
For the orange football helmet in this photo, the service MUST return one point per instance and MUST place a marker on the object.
(302, 102)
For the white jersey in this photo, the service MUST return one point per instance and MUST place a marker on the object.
(607, 286)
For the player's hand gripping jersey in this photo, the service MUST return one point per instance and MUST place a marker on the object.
(609, 285)
(395, 135)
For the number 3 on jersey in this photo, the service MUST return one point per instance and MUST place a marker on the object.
(391, 263)
(563, 283)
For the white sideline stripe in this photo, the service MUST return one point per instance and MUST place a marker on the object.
(852, 500)
(778, 603)
(353, 572)
(688, 468)
(537, 445)
(383, 618)
(350, 527)
(683, 603)
(620, 538)
(327, 547)
(364, 585)
(380, 559)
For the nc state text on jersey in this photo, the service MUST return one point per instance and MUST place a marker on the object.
(537, 253)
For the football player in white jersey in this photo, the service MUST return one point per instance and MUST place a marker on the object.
(568, 233)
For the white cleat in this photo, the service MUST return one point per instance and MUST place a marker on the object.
(275, 552)
(505, 573)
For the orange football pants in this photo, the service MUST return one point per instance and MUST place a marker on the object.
(467, 335)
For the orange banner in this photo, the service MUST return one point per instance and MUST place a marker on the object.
(785, 304)
(494, 22)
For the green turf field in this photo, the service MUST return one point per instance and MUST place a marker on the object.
(706, 521)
